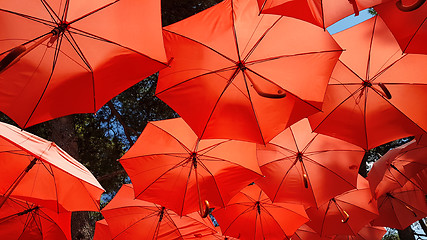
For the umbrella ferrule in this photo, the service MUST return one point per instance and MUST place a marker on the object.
(60, 28)
(31, 165)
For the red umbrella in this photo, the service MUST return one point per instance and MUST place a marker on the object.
(38, 171)
(401, 207)
(301, 166)
(168, 159)
(318, 12)
(251, 215)
(409, 26)
(307, 233)
(24, 220)
(233, 67)
(65, 57)
(102, 231)
(397, 167)
(374, 93)
(130, 218)
(345, 214)
(366, 233)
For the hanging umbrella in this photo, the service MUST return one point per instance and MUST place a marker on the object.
(130, 218)
(251, 215)
(318, 12)
(409, 26)
(38, 171)
(375, 91)
(345, 214)
(168, 159)
(401, 207)
(102, 231)
(27, 221)
(397, 167)
(368, 232)
(65, 57)
(301, 166)
(242, 76)
(307, 233)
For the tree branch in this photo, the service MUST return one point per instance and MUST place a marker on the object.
(111, 175)
(119, 118)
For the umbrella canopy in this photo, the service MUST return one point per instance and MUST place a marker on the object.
(27, 221)
(345, 214)
(102, 231)
(240, 75)
(408, 27)
(251, 215)
(397, 167)
(375, 91)
(301, 166)
(130, 218)
(168, 159)
(65, 57)
(38, 171)
(401, 207)
(318, 12)
(368, 232)
(307, 233)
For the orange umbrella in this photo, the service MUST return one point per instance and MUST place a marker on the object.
(251, 215)
(168, 159)
(318, 12)
(240, 75)
(130, 218)
(27, 221)
(409, 26)
(38, 171)
(397, 167)
(301, 166)
(375, 91)
(366, 233)
(65, 57)
(345, 214)
(401, 207)
(102, 231)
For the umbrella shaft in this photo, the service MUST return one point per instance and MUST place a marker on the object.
(16, 182)
(26, 50)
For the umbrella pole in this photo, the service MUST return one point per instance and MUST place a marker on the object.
(17, 181)
(4, 219)
(161, 215)
(204, 211)
(18, 52)
(304, 171)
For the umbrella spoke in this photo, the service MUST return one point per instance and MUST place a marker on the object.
(51, 12)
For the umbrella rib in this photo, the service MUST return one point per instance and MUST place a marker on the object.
(90, 195)
(413, 35)
(198, 76)
(365, 106)
(35, 19)
(133, 224)
(94, 11)
(161, 175)
(261, 38)
(283, 179)
(368, 63)
(239, 215)
(56, 190)
(273, 218)
(215, 183)
(307, 154)
(287, 56)
(177, 155)
(337, 106)
(79, 52)
(186, 188)
(95, 37)
(202, 44)
(58, 44)
(51, 12)
(174, 137)
(212, 147)
(234, 30)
